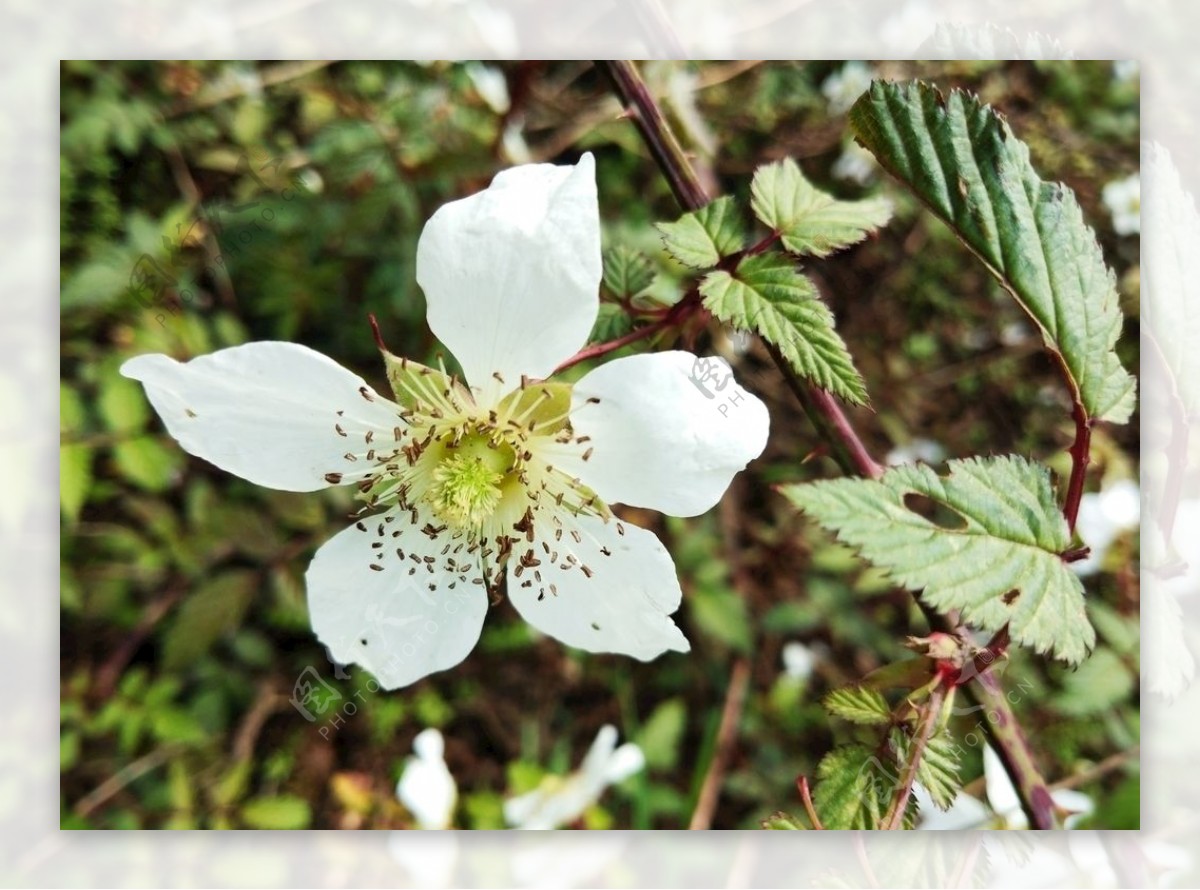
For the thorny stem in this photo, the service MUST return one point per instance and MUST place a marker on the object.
(677, 313)
(1079, 451)
(818, 404)
(931, 714)
(1013, 748)
(848, 448)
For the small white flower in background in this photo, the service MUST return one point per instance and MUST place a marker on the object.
(798, 660)
(842, 88)
(560, 800)
(426, 788)
(1003, 809)
(917, 450)
(1123, 198)
(855, 164)
(491, 85)
(1103, 515)
(498, 476)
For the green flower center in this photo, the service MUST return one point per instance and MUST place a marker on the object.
(467, 482)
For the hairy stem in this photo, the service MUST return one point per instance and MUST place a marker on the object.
(1080, 450)
(927, 727)
(847, 447)
(1009, 740)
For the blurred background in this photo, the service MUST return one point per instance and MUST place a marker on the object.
(284, 201)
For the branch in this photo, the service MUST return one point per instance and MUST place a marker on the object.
(849, 450)
(931, 713)
(1012, 746)
(735, 696)
(824, 411)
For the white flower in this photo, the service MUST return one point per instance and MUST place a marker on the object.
(561, 800)
(918, 450)
(426, 788)
(1003, 808)
(798, 660)
(1103, 515)
(1123, 198)
(845, 85)
(855, 164)
(498, 477)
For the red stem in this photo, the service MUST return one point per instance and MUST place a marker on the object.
(1080, 450)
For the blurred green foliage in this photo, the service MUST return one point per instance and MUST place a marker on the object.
(284, 201)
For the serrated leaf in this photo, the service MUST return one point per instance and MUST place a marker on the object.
(809, 220)
(1010, 540)
(858, 705)
(212, 611)
(611, 322)
(627, 272)
(701, 238)
(766, 294)
(962, 160)
(937, 771)
(852, 788)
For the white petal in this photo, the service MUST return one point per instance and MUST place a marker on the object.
(511, 275)
(625, 761)
(658, 440)
(597, 757)
(429, 745)
(1076, 804)
(264, 411)
(965, 813)
(1001, 794)
(405, 621)
(623, 607)
(426, 788)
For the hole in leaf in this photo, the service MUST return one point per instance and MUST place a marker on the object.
(935, 511)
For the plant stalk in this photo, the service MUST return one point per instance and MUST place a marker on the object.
(847, 447)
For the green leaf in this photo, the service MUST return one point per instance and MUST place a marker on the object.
(74, 478)
(858, 705)
(284, 812)
(766, 294)
(214, 610)
(962, 160)
(809, 220)
(781, 821)
(853, 788)
(1002, 566)
(660, 735)
(937, 771)
(627, 272)
(611, 322)
(147, 462)
(1098, 685)
(123, 405)
(722, 615)
(702, 238)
